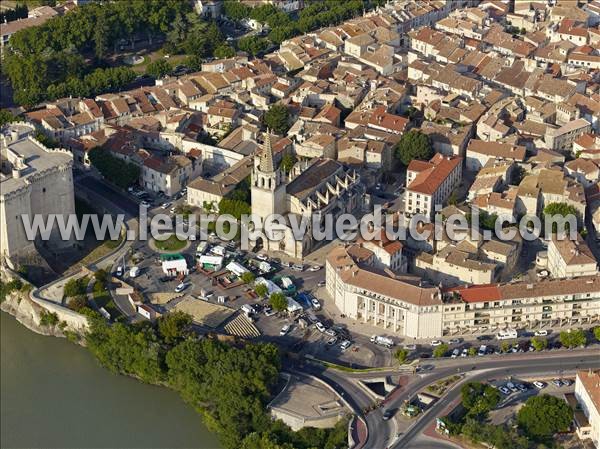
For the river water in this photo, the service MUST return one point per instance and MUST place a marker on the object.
(54, 394)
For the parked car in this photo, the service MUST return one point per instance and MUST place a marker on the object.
(165, 278)
(286, 264)
(285, 330)
(119, 271)
(557, 382)
(464, 353)
(321, 284)
(180, 287)
(297, 267)
(262, 257)
(332, 341)
(539, 385)
(134, 272)
(522, 387)
(331, 332)
(566, 382)
(484, 337)
(410, 347)
(512, 387)
(320, 326)
(166, 205)
(455, 341)
(315, 303)
(541, 333)
(455, 353)
(345, 345)
(388, 414)
(436, 343)
(504, 390)
(314, 268)
(268, 311)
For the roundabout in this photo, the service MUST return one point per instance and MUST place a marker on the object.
(172, 244)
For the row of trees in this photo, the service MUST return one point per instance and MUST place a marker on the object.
(94, 83)
(315, 15)
(117, 171)
(229, 386)
(72, 45)
(19, 12)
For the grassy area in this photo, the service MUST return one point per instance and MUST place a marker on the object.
(173, 243)
(101, 250)
(440, 387)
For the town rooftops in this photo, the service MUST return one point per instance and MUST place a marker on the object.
(497, 149)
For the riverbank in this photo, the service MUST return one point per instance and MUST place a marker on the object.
(55, 394)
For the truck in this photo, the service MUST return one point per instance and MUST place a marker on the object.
(248, 309)
(201, 248)
(382, 341)
(507, 334)
(286, 282)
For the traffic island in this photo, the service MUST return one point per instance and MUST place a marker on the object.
(171, 244)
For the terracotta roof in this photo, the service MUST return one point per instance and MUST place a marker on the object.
(429, 180)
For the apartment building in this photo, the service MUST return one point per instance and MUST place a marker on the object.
(568, 258)
(562, 139)
(480, 152)
(431, 183)
(169, 175)
(406, 308)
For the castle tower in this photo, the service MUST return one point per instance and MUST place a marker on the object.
(268, 188)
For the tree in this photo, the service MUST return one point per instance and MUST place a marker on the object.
(573, 338)
(505, 346)
(413, 145)
(78, 302)
(278, 301)
(287, 162)
(479, 398)
(563, 210)
(247, 277)
(441, 350)
(277, 119)
(6, 117)
(121, 173)
(539, 343)
(159, 68)
(597, 333)
(253, 44)
(472, 351)
(75, 287)
(101, 276)
(543, 416)
(401, 355)
(261, 290)
(224, 51)
(174, 326)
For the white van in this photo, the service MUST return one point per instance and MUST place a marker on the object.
(134, 272)
(507, 334)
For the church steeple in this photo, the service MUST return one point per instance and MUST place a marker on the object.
(267, 164)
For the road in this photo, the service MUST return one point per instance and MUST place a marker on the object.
(483, 371)
(382, 433)
(113, 198)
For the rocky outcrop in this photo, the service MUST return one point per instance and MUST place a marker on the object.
(29, 314)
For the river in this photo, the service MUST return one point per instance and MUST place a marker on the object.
(54, 394)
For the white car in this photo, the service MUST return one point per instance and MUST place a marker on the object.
(315, 303)
(541, 333)
(539, 385)
(268, 311)
(314, 268)
(262, 257)
(504, 390)
(455, 353)
(285, 330)
(464, 353)
(180, 287)
(144, 203)
(330, 332)
(320, 326)
(410, 347)
(119, 271)
(166, 205)
(297, 267)
(345, 345)
(436, 343)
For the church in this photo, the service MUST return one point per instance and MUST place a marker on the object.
(314, 188)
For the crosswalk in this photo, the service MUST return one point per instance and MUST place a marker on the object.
(241, 327)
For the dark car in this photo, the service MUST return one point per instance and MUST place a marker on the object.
(484, 337)
(388, 414)
(165, 279)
